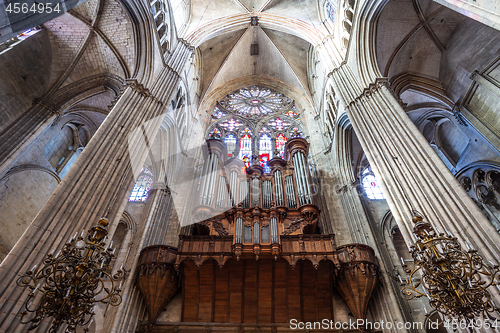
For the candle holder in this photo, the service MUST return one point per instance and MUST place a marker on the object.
(70, 284)
(455, 280)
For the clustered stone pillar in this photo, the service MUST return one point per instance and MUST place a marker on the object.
(411, 172)
(384, 304)
(159, 217)
(348, 194)
(93, 186)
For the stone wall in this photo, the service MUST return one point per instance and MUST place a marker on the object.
(24, 76)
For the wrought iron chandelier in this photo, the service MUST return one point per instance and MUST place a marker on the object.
(454, 280)
(72, 282)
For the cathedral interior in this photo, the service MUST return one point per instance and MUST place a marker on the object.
(253, 163)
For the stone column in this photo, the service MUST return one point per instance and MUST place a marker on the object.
(92, 186)
(384, 305)
(154, 232)
(411, 172)
(159, 217)
(353, 210)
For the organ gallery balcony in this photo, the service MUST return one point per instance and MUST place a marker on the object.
(256, 256)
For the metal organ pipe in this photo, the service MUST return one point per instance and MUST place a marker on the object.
(269, 193)
(256, 233)
(233, 178)
(221, 192)
(290, 193)
(278, 186)
(303, 177)
(238, 235)
(266, 194)
(298, 178)
(244, 187)
(287, 191)
(206, 169)
(306, 176)
(255, 191)
(274, 230)
(301, 171)
(209, 179)
(213, 178)
(248, 234)
(217, 194)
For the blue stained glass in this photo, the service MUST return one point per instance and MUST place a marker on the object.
(296, 133)
(371, 186)
(142, 186)
(246, 149)
(265, 149)
(230, 142)
(331, 10)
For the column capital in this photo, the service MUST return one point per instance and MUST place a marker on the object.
(141, 89)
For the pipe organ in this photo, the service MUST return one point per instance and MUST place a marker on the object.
(255, 256)
(284, 195)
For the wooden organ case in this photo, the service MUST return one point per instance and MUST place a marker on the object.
(256, 260)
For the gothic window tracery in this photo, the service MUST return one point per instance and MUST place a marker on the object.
(255, 101)
(255, 121)
(280, 144)
(246, 147)
(231, 124)
(330, 112)
(331, 10)
(279, 124)
(480, 181)
(296, 133)
(371, 185)
(215, 134)
(160, 12)
(142, 186)
(217, 114)
(293, 113)
(230, 141)
(265, 149)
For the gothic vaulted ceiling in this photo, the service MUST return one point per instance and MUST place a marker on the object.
(282, 52)
(412, 37)
(92, 40)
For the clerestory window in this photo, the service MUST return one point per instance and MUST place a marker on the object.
(255, 122)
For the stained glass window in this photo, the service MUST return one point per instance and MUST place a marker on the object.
(255, 102)
(265, 149)
(231, 124)
(371, 185)
(331, 10)
(296, 133)
(25, 34)
(255, 121)
(246, 147)
(217, 113)
(230, 141)
(279, 124)
(280, 144)
(142, 186)
(293, 112)
(215, 134)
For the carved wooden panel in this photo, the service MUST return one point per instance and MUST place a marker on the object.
(250, 291)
